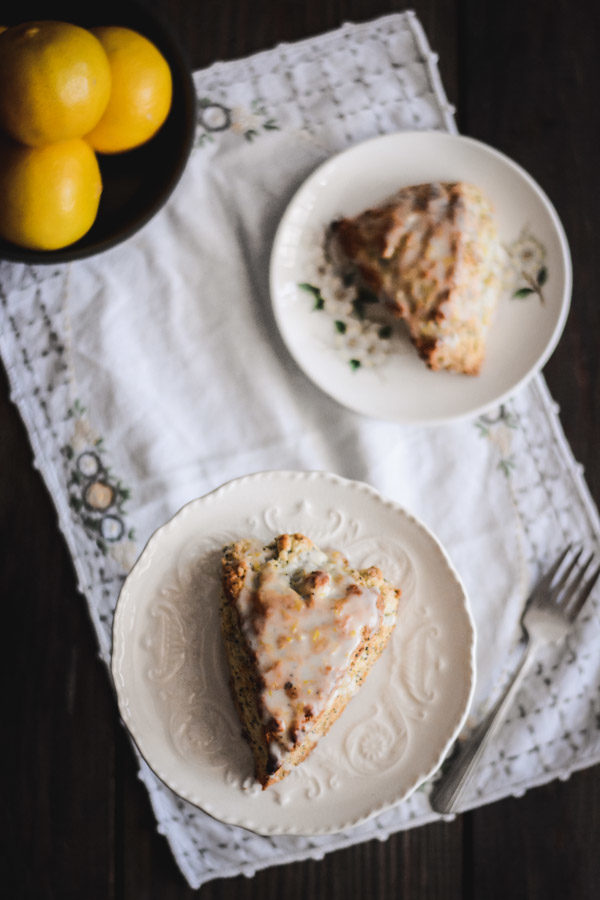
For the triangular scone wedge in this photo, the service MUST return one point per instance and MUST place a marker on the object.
(302, 629)
(432, 254)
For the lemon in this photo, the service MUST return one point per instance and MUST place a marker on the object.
(141, 93)
(54, 82)
(49, 195)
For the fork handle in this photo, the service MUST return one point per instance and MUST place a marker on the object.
(446, 793)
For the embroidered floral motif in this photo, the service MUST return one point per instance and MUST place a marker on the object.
(527, 260)
(362, 328)
(249, 123)
(498, 429)
(95, 495)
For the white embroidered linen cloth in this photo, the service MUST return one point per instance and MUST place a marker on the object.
(153, 373)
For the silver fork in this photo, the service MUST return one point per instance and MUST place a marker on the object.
(551, 609)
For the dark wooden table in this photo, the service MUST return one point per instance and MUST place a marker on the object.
(76, 821)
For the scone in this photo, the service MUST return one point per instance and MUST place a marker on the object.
(432, 254)
(302, 629)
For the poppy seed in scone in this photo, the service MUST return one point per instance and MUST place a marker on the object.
(301, 631)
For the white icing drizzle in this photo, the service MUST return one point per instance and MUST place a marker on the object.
(303, 616)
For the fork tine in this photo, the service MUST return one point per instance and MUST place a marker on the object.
(567, 573)
(570, 588)
(546, 580)
(584, 593)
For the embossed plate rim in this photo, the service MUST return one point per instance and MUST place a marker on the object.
(152, 744)
(523, 335)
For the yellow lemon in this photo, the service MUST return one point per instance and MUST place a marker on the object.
(49, 195)
(54, 82)
(141, 93)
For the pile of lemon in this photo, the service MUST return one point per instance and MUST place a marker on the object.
(67, 93)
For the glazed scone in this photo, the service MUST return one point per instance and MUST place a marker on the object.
(432, 254)
(301, 629)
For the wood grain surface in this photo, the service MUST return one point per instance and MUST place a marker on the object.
(76, 820)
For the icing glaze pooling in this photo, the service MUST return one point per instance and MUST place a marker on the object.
(304, 617)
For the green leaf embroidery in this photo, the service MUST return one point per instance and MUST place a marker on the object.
(506, 465)
(340, 326)
(523, 292)
(354, 364)
(542, 276)
(90, 523)
(312, 289)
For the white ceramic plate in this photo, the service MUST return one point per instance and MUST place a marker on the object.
(525, 331)
(171, 675)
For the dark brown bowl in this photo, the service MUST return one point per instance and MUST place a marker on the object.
(136, 183)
